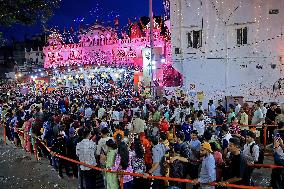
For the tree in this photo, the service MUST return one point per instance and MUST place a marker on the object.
(3, 41)
(26, 12)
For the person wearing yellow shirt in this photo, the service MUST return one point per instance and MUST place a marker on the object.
(243, 119)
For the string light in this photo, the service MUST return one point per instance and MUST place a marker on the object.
(101, 46)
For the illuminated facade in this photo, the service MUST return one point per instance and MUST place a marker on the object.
(101, 46)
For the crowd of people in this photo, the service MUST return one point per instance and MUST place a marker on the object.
(119, 129)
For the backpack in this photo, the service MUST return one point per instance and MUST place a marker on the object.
(185, 149)
(261, 154)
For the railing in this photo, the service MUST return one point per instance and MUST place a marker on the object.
(121, 173)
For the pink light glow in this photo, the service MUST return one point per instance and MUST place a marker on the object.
(101, 46)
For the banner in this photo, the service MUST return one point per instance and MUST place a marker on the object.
(200, 96)
(147, 74)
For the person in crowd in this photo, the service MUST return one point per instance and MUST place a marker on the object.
(251, 152)
(139, 124)
(243, 119)
(278, 152)
(270, 120)
(102, 148)
(72, 142)
(280, 116)
(147, 151)
(156, 115)
(226, 136)
(220, 116)
(111, 178)
(234, 127)
(191, 106)
(258, 117)
(237, 169)
(219, 162)
(258, 120)
(138, 164)
(220, 104)
(59, 147)
(159, 150)
(231, 114)
(199, 124)
(208, 168)
(164, 125)
(263, 108)
(211, 109)
(237, 106)
(176, 117)
(86, 150)
(182, 156)
(123, 162)
(186, 127)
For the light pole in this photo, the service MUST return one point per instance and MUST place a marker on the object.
(152, 91)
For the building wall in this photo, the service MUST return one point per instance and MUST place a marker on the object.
(221, 67)
(34, 58)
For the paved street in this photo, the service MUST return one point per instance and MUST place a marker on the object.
(20, 170)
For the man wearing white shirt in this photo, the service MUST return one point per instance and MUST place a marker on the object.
(257, 115)
(257, 118)
(86, 150)
(176, 115)
(263, 109)
(251, 151)
(199, 124)
(237, 106)
(138, 123)
(211, 108)
(115, 116)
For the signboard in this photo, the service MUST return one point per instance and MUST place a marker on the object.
(200, 96)
(147, 75)
(191, 86)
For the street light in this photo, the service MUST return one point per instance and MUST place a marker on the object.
(151, 45)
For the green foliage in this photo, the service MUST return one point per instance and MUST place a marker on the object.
(3, 41)
(26, 12)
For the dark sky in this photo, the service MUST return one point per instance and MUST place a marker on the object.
(71, 11)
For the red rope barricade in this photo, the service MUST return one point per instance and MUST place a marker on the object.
(267, 166)
(120, 173)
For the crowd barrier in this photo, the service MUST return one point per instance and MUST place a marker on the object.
(121, 173)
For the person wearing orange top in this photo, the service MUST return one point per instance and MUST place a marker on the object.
(148, 153)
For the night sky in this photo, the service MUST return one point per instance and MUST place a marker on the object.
(84, 12)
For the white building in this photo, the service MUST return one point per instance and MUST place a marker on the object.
(229, 47)
(34, 58)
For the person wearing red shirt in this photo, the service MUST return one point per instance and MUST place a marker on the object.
(164, 125)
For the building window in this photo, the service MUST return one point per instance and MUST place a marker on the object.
(273, 11)
(177, 51)
(242, 36)
(194, 39)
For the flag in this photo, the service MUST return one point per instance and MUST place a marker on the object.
(71, 30)
(129, 22)
(116, 22)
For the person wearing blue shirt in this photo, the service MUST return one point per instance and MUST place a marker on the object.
(186, 128)
(208, 168)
